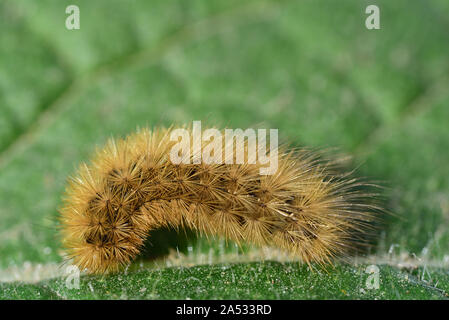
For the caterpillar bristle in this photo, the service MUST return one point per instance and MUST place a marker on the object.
(131, 187)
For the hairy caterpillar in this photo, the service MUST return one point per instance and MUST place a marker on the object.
(131, 187)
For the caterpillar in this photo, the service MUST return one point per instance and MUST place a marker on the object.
(131, 187)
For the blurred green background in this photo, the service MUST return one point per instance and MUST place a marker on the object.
(309, 68)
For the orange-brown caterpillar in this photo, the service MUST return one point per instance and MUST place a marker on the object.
(131, 187)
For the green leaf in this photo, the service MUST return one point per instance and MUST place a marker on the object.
(257, 280)
(309, 68)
